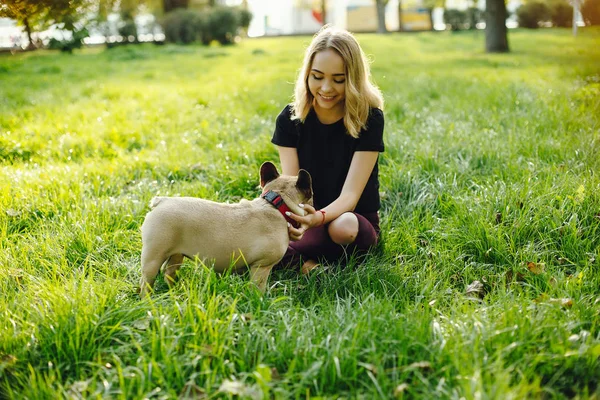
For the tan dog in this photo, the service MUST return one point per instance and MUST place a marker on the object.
(247, 234)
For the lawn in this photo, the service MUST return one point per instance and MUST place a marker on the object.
(490, 174)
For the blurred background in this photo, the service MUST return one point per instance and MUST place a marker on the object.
(68, 24)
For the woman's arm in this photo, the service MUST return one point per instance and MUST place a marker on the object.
(288, 156)
(360, 170)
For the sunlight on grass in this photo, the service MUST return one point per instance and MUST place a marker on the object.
(490, 174)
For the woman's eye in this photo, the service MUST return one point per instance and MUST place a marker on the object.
(318, 78)
(339, 81)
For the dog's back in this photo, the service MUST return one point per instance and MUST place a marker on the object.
(249, 233)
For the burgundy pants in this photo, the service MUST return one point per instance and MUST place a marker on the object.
(317, 245)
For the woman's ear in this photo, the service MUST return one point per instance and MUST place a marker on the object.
(268, 172)
(304, 183)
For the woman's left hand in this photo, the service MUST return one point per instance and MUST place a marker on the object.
(310, 220)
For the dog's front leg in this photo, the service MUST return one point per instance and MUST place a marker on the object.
(259, 274)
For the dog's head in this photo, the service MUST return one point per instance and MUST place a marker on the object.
(293, 189)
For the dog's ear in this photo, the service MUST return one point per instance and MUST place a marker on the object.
(304, 183)
(268, 172)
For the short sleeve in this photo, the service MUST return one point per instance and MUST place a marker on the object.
(371, 138)
(285, 134)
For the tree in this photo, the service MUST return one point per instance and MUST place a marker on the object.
(496, 33)
(590, 10)
(36, 15)
(170, 5)
(381, 4)
(26, 13)
(400, 27)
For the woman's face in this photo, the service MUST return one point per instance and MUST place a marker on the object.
(327, 81)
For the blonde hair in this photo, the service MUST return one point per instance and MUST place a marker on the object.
(361, 93)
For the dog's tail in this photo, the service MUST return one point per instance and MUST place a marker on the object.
(155, 201)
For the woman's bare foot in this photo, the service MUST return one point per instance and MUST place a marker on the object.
(308, 266)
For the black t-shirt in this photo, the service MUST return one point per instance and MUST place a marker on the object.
(326, 151)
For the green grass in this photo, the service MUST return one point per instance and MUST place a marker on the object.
(491, 173)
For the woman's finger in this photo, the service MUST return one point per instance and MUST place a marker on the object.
(308, 208)
(295, 234)
(295, 217)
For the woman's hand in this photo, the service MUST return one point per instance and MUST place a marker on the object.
(310, 220)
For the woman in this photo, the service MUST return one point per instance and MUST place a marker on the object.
(334, 130)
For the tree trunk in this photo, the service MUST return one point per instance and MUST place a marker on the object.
(430, 11)
(324, 11)
(170, 5)
(496, 34)
(30, 46)
(400, 27)
(381, 17)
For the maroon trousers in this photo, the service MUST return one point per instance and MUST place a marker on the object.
(317, 245)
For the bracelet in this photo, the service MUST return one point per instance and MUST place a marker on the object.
(323, 213)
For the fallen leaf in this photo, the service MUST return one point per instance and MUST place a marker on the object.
(243, 317)
(536, 268)
(12, 213)
(573, 338)
(369, 367)
(541, 298)
(79, 386)
(191, 391)
(7, 360)
(400, 389)
(141, 324)
(232, 387)
(476, 289)
(275, 374)
(498, 218)
(426, 365)
(247, 317)
(564, 302)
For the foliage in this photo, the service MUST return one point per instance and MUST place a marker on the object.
(474, 16)
(172, 5)
(488, 175)
(456, 19)
(67, 45)
(223, 24)
(462, 19)
(245, 17)
(37, 15)
(561, 13)
(216, 23)
(183, 26)
(128, 29)
(532, 14)
(590, 10)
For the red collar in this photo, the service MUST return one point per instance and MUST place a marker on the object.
(277, 201)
